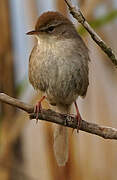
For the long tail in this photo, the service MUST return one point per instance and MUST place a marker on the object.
(61, 139)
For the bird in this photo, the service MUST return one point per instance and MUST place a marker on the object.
(58, 67)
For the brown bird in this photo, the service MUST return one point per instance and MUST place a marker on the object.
(58, 66)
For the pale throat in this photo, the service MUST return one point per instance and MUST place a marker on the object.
(54, 45)
(45, 43)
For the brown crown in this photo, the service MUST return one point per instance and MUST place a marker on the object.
(50, 17)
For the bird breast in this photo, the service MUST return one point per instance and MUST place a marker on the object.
(56, 68)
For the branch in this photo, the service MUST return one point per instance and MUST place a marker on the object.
(77, 14)
(62, 119)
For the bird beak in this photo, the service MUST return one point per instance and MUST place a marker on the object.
(34, 32)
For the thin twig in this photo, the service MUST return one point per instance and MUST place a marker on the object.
(17, 103)
(77, 14)
(62, 119)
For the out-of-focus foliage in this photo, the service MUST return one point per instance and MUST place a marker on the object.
(21, 87)
(99, 22)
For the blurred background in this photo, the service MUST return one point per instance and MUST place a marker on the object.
(26, 148)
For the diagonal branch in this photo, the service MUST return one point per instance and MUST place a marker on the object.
(77, 14)
(62, 119)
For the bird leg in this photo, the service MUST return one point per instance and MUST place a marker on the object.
(37, 108)
(78, 116)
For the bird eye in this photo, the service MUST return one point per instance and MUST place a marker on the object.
(50, 29)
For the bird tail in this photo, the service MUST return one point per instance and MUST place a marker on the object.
(61, 139)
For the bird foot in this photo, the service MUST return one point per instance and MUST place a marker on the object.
(78, 117)
(79, 122)
(37, 108)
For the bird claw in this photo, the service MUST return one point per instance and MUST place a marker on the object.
(78, 123)
(78, 117)
(37, 108)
